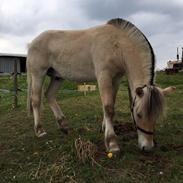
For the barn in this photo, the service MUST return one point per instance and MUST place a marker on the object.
(174, 66)
(7, 63)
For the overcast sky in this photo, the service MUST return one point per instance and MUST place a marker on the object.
(160, 20)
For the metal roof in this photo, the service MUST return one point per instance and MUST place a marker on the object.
(12, 55)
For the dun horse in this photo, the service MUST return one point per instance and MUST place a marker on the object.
(104, 53)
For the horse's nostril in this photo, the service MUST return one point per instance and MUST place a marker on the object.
(146, 148)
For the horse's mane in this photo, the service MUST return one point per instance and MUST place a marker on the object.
(135, 34)
(153, 103)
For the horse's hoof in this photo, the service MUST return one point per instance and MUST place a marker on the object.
(41, 134)
(116, 149)
(113, 148)
(63, 126)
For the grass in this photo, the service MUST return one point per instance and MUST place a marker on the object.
(53, 158)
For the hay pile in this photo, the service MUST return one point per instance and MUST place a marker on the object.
(86, 150)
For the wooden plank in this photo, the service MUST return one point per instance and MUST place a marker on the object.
(86, 88)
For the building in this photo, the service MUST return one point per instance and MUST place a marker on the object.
(7, 63)
(171, 63)
(174, 66)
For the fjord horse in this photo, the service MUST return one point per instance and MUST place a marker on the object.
(104, 53)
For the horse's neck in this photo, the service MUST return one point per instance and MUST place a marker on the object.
(137, 79)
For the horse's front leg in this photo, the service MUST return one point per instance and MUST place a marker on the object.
(107, 93)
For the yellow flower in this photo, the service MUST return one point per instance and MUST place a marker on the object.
(109, 155)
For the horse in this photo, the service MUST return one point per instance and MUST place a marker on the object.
(104, 54)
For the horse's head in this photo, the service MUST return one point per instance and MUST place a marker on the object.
(148, 105)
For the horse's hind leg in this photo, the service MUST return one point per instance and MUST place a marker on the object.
(51, 96)
(107, 92)
(37, 82)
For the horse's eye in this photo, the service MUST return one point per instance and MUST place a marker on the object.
(139, 115)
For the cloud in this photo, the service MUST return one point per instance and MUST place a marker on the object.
(27, 17)
(13, 44)
(161, 21)
(107, 9)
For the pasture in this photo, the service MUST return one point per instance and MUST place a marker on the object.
(53, 158)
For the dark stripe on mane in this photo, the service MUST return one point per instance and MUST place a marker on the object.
(154, 103)
(152, 61)
(117, 22)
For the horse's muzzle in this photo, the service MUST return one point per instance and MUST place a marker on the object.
(147, 147)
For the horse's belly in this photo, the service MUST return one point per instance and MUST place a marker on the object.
(77, 75)
(77, 71)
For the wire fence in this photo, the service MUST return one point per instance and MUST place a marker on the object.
(15, 95)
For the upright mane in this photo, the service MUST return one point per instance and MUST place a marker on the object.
(135, 34)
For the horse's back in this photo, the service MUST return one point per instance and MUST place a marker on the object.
(76, 54)
(52, 40)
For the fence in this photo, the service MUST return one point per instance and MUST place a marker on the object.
(17, 88)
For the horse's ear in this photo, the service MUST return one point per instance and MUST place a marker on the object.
(168, 90)
(139, 91)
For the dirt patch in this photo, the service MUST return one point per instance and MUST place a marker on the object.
(125, 130)
(158, 165)
(2, 147)
(151, 159)
(122, 128)
(176, 147)
(172, 147)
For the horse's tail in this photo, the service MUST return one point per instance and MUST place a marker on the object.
(29, 86)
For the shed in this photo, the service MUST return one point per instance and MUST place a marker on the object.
(7, 63)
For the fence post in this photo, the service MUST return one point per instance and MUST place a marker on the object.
(84, 89)
(15, 83)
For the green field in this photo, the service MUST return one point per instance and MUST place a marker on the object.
(24, 158)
